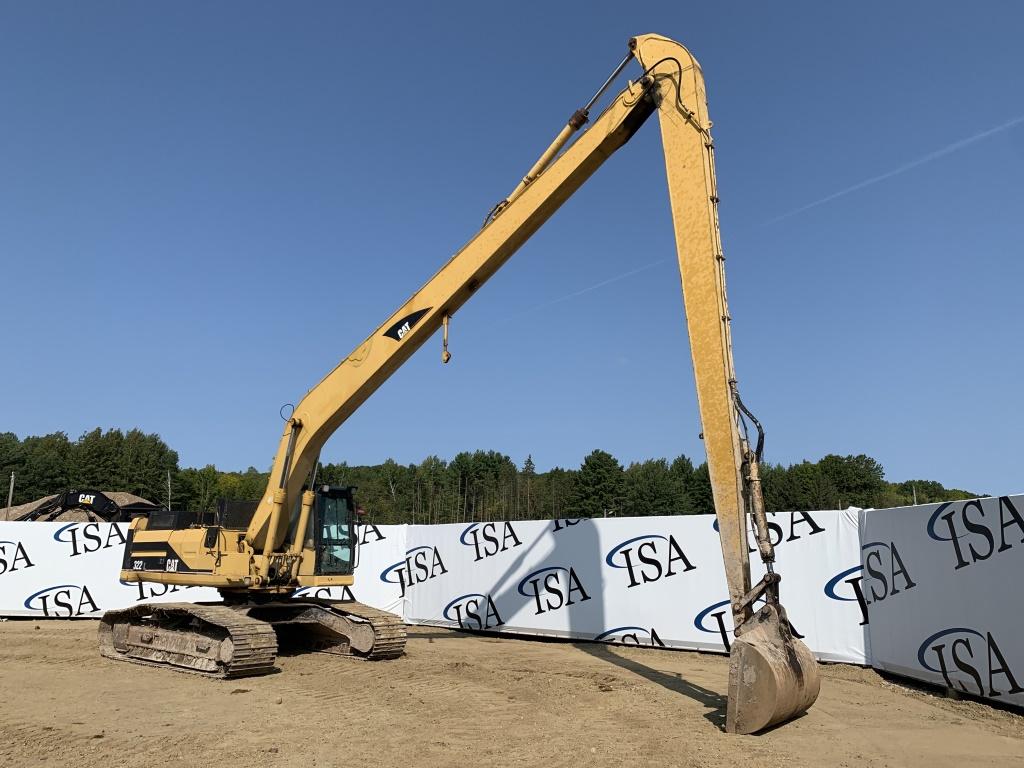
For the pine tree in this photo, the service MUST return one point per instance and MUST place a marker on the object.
(529, 475)
(650, 488)
(598, 488)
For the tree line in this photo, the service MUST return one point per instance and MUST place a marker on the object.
(471, 487)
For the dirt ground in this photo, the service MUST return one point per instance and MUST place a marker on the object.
(457, 699)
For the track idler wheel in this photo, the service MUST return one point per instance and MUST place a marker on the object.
(772, 675)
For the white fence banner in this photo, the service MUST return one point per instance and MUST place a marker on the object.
(654, 581)
(942, 585)
(939, 583)
(379, 546)
(71, 570)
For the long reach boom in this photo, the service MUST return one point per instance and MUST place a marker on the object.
(299, 535)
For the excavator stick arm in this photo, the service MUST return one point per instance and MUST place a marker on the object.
(689, 165)
(772, 675)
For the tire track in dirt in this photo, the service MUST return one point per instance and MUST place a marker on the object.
(458, 699)
(20, 738)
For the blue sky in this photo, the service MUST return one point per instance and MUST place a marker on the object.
(204, 207)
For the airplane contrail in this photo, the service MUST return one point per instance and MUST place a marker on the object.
(588, 289)
(955, 146)
(950, 148)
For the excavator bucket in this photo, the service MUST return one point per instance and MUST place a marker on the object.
(772, 675)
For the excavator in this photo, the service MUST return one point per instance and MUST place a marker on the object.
(301, 534)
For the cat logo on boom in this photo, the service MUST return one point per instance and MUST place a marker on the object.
(401, 327)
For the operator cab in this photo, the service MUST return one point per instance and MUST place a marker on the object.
(334, 530)
(331, 533)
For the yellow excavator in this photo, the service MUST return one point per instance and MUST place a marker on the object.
(300, 534)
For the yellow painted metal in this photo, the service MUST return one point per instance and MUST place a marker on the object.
(308, 497)
(543, 162)
(276, 504)
(327, 405)
(689, 164)
(772, 675)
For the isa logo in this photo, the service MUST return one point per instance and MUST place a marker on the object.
(369, 533)
(473, 611)
(885, 573)
(488, 540)
(326, 593)
(716, 619)
(777, 533)
(973, 658)
(62, 600)
(553, 588)
(148, 590)
(846, 587)
(13, 557)
(649, 558)
(561, 523)
(420, 564)
(974, 533)
(631, 636)
(89, 537)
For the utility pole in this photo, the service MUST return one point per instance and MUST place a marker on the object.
(168, 489)
(10, 493)
(914, 489)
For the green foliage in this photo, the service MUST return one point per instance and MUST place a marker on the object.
(858, 480)
(924, 491)
(529, 470)
(556, 493)
(801, 487)
(143, 464)
(197, 489)
(241, 486)
(701, 497)
(134, 462)
(473, 487)
(46, 465)
(599, 486)
(96, 458)
(651, 488)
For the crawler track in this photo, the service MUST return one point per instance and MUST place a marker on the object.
(388, 630)
(210, 640)
(242, 640)
(343, 628)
